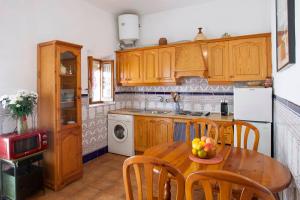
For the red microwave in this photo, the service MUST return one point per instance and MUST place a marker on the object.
(14, 146)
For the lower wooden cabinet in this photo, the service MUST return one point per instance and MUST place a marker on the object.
(70, 155)
(141, 133)
(151, 131)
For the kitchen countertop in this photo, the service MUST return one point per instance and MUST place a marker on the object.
(137, 112)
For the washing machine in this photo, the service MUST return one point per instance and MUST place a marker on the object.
(120, 134)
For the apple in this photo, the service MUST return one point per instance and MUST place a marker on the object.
(202, 154)
(208, 147)
(209, 140)
(203, 138)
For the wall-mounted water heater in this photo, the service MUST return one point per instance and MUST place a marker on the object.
(128, 29)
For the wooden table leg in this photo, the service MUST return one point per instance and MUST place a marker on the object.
(167, 195)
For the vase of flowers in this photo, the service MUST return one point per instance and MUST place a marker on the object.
(20, 106)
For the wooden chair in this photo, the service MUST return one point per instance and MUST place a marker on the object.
(205, 126)
(225, 181)
(148, 164)
(239, 126)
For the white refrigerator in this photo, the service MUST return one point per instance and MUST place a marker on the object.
(254, 105)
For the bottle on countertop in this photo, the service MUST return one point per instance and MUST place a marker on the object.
(224, 108)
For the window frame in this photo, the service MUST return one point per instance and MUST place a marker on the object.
(91, 59)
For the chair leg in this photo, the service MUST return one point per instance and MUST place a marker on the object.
(167, 195)
(277, 197)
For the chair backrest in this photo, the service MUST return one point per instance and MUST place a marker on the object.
(201, 127)
(225, 181)
(150, 164)
(243, 128)
(207, 127)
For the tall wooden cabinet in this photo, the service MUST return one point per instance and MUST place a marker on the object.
(59, 110)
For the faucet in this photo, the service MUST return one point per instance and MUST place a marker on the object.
(161, 99)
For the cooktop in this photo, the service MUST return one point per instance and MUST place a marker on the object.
(194, 113)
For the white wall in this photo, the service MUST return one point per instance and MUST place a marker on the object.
(216, 17)
(287, 81)
(25, 23)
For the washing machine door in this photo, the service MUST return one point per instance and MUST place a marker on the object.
(120, 132)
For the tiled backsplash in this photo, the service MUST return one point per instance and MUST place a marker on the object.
(195, 94)
(287, 142)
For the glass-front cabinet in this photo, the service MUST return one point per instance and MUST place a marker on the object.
(69, 88)
(59, 111)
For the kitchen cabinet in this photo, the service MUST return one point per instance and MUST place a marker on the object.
(190, 59)
(151, 131)
(141, 133)
(166, 67)
(69, 153)
(161, 131)
(122, 68)
(134, 72)
(248, 59)
(218, 62)
(223, 60)
(151, 67)
(59, 111)
(244, 58)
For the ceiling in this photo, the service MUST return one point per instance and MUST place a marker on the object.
(142, 6)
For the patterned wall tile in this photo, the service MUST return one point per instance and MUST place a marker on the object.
(287, 145)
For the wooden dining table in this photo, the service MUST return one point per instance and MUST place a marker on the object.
(254, 165)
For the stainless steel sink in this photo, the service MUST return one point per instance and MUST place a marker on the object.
(156, 112)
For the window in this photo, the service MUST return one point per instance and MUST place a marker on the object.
(101, 85)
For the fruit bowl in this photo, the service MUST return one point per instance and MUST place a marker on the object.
(204, 147)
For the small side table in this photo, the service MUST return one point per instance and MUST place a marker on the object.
(21, 177)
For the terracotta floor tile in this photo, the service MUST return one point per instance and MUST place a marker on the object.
(102, 180)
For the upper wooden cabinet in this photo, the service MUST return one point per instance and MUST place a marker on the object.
(148, 67)
(245, 58)
(151, 70)
(190, 59)
(248, 59)
(218, 61)
(166, 67)
(134, 72)
(122, 68)
(224, 60)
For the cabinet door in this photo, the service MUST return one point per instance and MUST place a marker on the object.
(68, 84)
(135, 66)
(166, 64)
(70, 154)
(218, 61)
(141, 133)
(122, 68)
(151, 66)
(248, 59)
(161, 130)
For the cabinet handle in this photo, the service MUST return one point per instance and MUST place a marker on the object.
(209, 77)
(231, 76)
